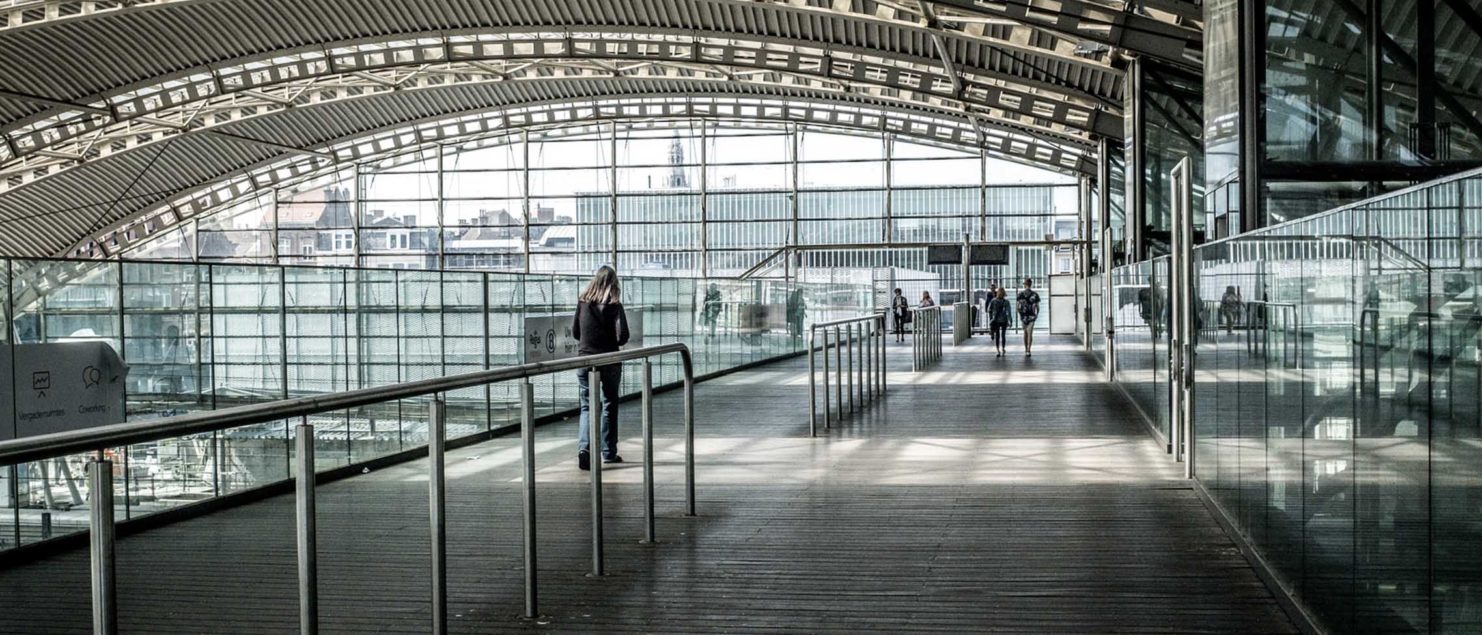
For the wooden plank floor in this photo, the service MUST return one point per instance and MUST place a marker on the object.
(1014, 495)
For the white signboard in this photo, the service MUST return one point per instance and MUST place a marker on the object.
(549, 337)
(63, 386)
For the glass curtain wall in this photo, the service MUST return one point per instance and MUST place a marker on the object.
(689, 198)
(1165, 125)
(1338, 101)
(203, 336)
(1338, 401)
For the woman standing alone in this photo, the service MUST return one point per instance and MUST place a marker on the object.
(600, 326)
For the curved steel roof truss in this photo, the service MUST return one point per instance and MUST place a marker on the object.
(103, 57)
(576, 117)
(286, 80)
(96, 129)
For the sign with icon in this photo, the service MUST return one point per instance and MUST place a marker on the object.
(549, 337)
(61, 386)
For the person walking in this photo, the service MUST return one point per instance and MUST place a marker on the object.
(900, 309)
(601, 326)
(998, 321)
(926, 300)
(1028, 304)
(711, 312)
(1231, 306)
(797, 312)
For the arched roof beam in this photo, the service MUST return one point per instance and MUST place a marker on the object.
(403, 140)
(102, 57)
(989, 96)
(1120, 28)
(268, 87)
(1146, 34)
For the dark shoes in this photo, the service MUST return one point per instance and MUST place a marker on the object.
(584, 460)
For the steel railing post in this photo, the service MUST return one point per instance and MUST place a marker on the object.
(826, 405)
(849, 371)
(689, 440)
(812, 385)
(882, 350)
(100, 538)
(885, 350)
(527, 455)
(594, 452)
(647, 411)
(839, 371)
(858, 344)
(436, 510)
(867, 363)
(308, 553)
(916, 343)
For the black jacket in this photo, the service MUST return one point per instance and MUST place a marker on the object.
(599, 328)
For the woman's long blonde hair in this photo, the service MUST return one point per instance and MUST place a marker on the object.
(603, 289)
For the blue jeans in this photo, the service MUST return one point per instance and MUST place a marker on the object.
(612, 379)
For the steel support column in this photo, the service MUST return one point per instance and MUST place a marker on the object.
(1103, 211)
(1135, 149)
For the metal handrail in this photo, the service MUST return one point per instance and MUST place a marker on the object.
(841, 322)
(100, 470)
(46, 446)
(871, 370)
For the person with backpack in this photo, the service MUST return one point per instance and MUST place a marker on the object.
(1028, 305)
(601, 326)
(998, 321)
(1231, 307)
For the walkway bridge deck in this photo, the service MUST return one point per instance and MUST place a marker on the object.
(985, 494)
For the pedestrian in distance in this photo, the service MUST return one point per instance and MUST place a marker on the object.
(601, 326)
(998, 321)
(900, 309)
(1231, 307)
(1028, 305)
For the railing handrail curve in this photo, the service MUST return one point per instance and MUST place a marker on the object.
(843, 321)
(46, 446)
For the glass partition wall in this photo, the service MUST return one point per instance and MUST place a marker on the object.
(1338, 401)
(200, 336)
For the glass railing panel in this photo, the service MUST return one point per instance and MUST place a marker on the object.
(1456, 439)
(505, 325)
(419, 338)
(1141, 304)
(204, 336)
(248, 366)
(463, 342)
(1337, 403)
(376, 295)
(1400, 295)
(1214, 439)
(318, 360)
(1161, 317)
